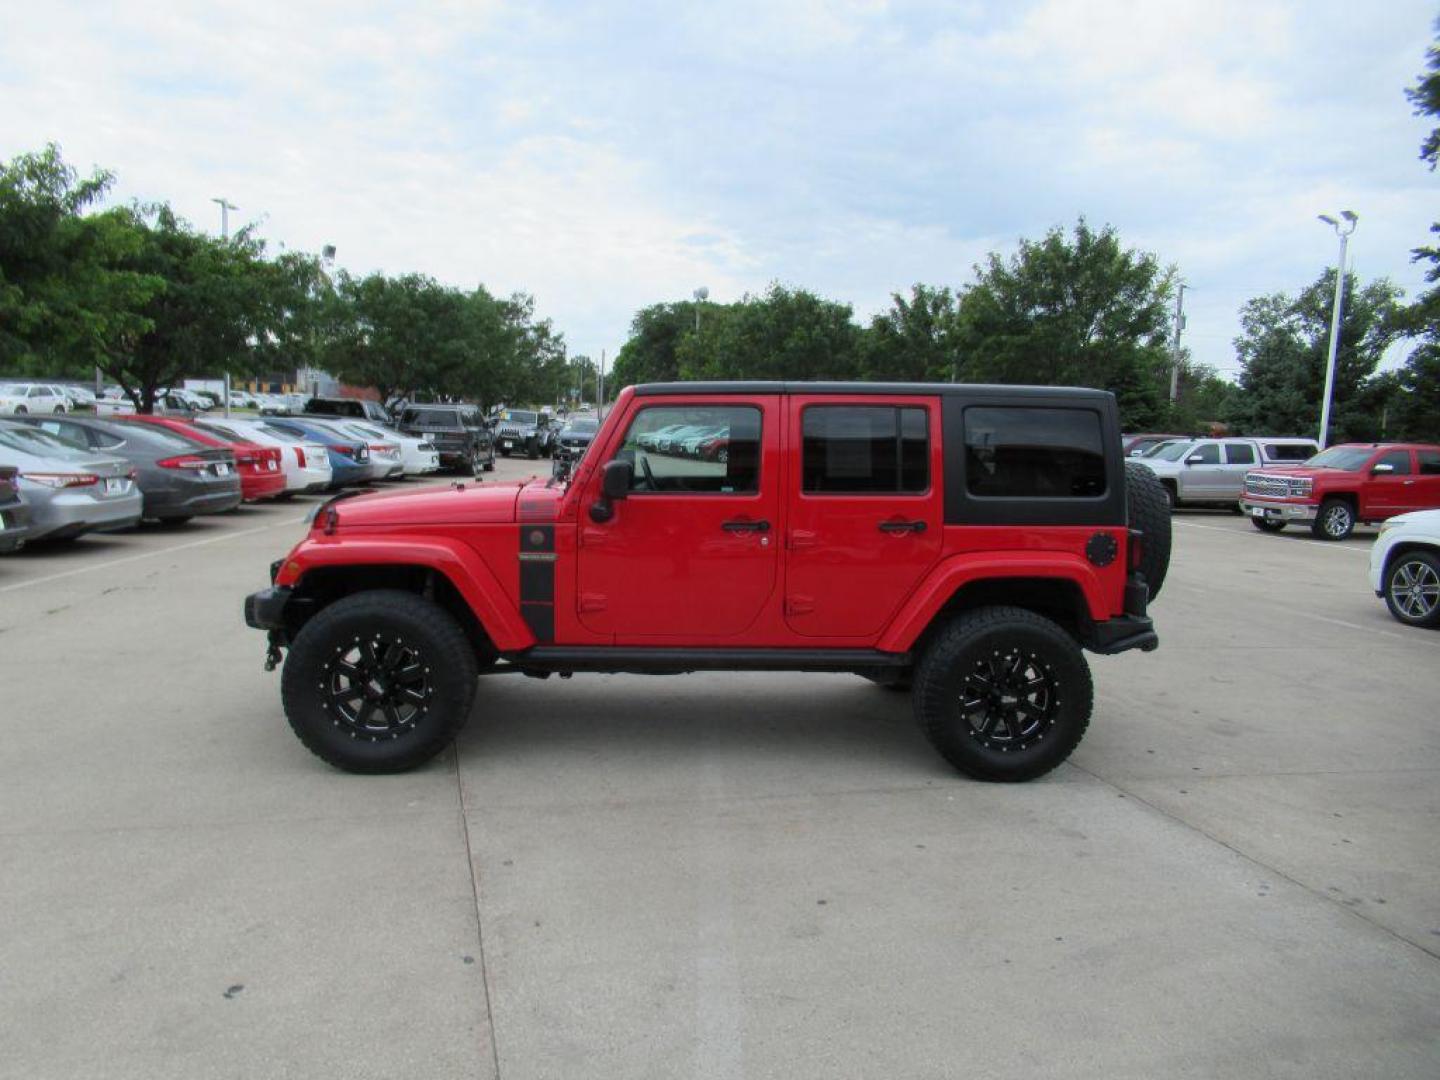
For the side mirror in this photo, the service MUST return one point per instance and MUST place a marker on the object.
(1382, 468)
(614, 485)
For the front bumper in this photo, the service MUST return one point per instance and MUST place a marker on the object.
(265, 610)
(1277, 509)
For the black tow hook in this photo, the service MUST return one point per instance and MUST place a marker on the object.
(273, 655)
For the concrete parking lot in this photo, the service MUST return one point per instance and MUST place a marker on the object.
(1238, 874)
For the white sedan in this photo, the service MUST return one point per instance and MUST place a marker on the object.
(1405, 567)
(307, 464)
(418, 456)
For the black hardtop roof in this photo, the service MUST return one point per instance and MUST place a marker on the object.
(1079, 393)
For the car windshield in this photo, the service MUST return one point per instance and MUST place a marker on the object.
(518, 416)
(1171, 451)
(584, 427)
(433, 417)
(1346, 458)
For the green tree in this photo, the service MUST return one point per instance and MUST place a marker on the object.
(1072, 311)
(651, 353)
(1424, 96)
(1415, 401)
(784, 334)
(1283, 348)
(68, 290)
(916, 340)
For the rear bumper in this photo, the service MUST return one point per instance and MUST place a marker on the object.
(191, 498)
(14, 526)
(264, 485)
(1123, 634)
(1277, 509)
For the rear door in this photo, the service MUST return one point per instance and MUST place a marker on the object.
(866, 510)
(1240, 458)
(1427, 480)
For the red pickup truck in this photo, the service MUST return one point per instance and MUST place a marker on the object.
(1344, 486)
(970, 541)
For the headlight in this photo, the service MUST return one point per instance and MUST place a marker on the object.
(1301, 485)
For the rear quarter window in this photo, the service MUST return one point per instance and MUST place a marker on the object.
(1020, 453)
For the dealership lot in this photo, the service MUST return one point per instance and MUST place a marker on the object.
(716, 875)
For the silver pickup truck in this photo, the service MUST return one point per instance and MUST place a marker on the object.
(1198, 472)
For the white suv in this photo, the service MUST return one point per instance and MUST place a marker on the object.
(1405, 567)
(35, 398)
(1200, 471)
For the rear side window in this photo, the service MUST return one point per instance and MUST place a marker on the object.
(1034, 453)
(1289, 451)
(865, 450)
(1429, 462)
(1239, 453)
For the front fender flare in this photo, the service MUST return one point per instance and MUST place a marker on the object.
(459, 564)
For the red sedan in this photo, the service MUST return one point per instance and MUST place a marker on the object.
(262, 475)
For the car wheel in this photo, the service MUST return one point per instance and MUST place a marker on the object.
(1149, 508)
(1412, 589)
(477, 464)
(1336, 520)
(532, 450)
(723, 455)
(379, 682)
(1171, 495)
(20, 410)
(1267, 524)
(1003, 694)
(490, 464)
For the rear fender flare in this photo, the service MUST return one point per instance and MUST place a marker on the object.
(950, 576)
(458, 563)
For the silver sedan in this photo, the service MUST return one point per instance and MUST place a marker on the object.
(69, 491)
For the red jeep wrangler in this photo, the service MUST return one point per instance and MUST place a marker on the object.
(967, 540)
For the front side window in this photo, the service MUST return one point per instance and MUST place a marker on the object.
(1209, 454)
(1398, 460)
(1034, 453)
(865, 450)
(694, 449)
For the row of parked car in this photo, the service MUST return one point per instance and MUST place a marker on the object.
(63, 474)
(1279, 482)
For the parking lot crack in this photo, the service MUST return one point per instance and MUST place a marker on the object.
(1328, 899)
(479, 916)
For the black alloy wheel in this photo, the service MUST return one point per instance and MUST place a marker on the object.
(379, 681)
(1412, 588)
(1003, 694)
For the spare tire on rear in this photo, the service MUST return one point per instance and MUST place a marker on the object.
(1149, 512)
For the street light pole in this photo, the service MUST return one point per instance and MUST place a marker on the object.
(225, 207)
(1342, 231)
(1175, 351)
(701, 295)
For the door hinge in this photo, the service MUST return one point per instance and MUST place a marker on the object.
(592, 601)
(799, 605)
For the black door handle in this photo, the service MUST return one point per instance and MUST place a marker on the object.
(740, 525)
(902, 526)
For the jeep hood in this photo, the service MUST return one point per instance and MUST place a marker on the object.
(464, 502)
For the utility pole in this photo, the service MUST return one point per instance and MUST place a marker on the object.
(225, 207)
(1342, 231)
(1175, 349)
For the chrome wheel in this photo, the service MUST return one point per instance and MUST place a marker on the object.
(1336, 520)
(1415, 590)
(1009, 699)
(375, 688)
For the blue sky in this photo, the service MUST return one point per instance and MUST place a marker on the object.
(607, 156)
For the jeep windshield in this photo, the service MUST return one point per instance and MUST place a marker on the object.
(431, 418)
(516, 416)
(1344, 458)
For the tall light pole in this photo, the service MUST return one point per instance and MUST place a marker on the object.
(700, 294)
(1342, 231)
(1175, 351)
(225, 207)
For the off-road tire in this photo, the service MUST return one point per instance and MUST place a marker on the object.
(1335, 521)
(1267, 525)
(532, 450)
(1149, 506)
(476, 465)
(490, 465)
(383, 618)
(1411, 583)
(972, 649)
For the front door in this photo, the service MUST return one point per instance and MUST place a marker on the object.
(691, 553)
(1391, 492)
(866, 510)
(1204, 474)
